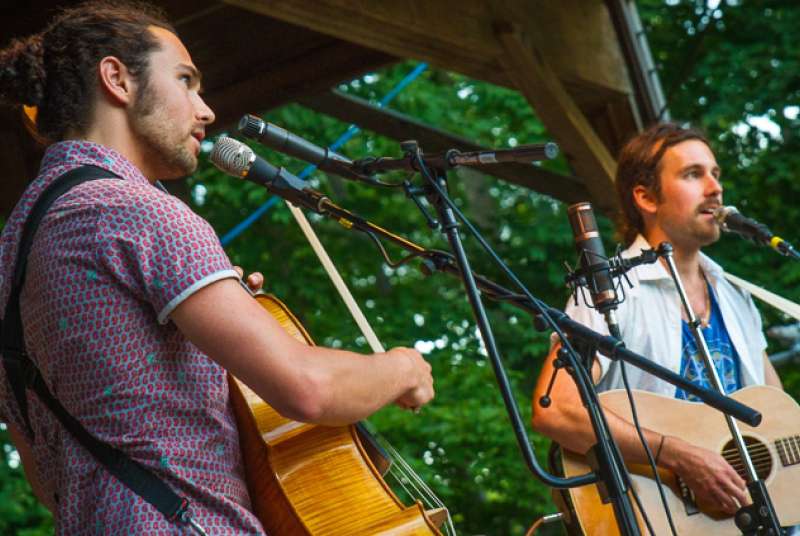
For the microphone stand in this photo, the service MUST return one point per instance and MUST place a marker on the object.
(614, 480)
(612, 473)
(759, 517)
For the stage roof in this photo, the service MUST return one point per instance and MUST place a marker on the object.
(583, 65)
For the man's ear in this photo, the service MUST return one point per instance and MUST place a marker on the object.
(115, 81)
(644, 199)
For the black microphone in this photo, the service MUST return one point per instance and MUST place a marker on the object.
(593, 263)
(524, 154)
(235, 158)
(731, 220)
(293, 145)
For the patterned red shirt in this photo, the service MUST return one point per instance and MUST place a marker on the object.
(110, 262)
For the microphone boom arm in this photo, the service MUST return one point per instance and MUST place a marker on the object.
(235, 158)
(435, 260)
(524, 154)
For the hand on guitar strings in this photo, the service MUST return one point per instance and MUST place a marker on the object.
(254, 281)
(716, 485)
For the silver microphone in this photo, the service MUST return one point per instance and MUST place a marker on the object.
(235, 158)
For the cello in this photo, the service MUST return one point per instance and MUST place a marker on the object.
(308, 479)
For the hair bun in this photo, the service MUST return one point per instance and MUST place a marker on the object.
(22, 73)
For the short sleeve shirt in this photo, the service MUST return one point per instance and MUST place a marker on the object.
(111, 260)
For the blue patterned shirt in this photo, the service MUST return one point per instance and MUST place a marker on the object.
(724, 355)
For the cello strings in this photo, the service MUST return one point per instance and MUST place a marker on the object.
(425, 493)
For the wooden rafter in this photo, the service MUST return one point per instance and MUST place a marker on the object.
(537, 81)
(285, 82)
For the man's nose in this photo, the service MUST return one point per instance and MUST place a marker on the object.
(204, 112)
(713, 185)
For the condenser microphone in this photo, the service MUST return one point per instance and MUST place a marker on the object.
(235, 158)
(293, 145)
(731, 220)
(593, 264)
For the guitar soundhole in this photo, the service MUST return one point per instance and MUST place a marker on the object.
(759, 454)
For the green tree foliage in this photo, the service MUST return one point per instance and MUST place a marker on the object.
(20, 512)
(726, 66)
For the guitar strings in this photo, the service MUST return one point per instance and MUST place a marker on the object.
(735, 455)
(752, 452)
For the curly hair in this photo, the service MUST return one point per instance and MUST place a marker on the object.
(55, 70)
(640, 164)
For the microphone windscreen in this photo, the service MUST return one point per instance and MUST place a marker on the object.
(722, 213)
(592, 259)
(251, 126)
(232, 156)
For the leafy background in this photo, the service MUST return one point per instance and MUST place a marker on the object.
(730, 67)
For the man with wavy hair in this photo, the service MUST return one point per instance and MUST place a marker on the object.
(668, 185)
(131, 310)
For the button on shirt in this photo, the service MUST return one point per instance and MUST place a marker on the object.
(111, 260)
(650, 323)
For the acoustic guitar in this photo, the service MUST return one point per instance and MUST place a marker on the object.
(774, 448)
(307, 479)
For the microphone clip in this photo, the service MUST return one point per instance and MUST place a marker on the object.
(579, 280)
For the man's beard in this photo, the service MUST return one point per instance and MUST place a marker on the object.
(162, 143)
(699, 233)
(707, 236)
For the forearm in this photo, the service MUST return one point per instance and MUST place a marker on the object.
(573, 430)
(567, 422)
(353, 386)
(307, 383)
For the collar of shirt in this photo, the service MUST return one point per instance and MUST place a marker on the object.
(70, 154)
(656, 271)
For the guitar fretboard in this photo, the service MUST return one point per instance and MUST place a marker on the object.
(788, 449)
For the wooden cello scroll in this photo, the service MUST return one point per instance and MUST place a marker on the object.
(307, 479)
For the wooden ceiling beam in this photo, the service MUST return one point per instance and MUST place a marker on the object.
(536, 80)
(577, 35)
(402, 28)
(401, 127)
(285, 82)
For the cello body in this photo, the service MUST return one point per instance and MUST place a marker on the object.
(308, 479)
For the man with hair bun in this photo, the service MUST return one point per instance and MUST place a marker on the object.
(131, 310)
(668, 185)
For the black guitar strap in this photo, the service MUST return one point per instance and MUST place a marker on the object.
(22, 373)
